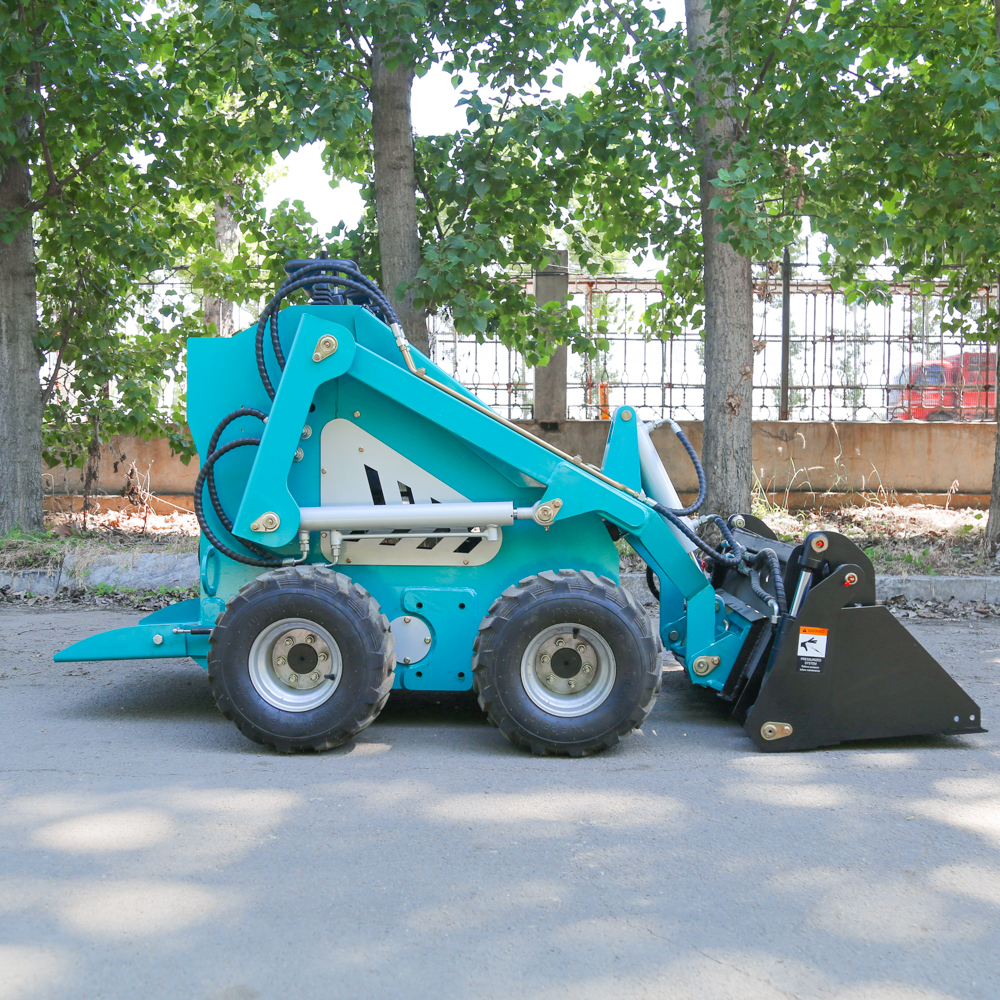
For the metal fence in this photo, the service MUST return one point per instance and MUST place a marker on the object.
(860, 361)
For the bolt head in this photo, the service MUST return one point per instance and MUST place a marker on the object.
(289, 640)
(406, 620)
(545, 657)
(314, 676)
(310, 639)
(293, 678)
(587, 668)
(551, 678)
(427, 640)
(571, 684)
(581, 648)
(280, 661)
(322, 657)
(560, 642)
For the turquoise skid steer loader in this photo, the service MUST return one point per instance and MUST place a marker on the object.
(368, 524)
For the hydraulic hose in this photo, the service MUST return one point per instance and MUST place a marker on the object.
(245, 411)
(304, 277)
(698, 469)
(200, 512)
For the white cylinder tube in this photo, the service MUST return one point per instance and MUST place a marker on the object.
(353, 517)
(657, 484)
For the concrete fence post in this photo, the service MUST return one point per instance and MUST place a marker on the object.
(552, 285)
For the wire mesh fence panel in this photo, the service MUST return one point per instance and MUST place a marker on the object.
(847, 360)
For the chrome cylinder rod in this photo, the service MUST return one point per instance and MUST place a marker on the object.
(353, 517)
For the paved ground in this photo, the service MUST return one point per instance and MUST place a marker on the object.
(149, 851)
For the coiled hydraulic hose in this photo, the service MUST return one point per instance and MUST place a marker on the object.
(199, 511)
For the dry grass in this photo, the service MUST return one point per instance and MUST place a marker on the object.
(105, 533)
(899, 540)
(903, 541)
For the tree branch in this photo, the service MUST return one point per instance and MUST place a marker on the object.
(769, 61)
(636, 40)
(423, 190)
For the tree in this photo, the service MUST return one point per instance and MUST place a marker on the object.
(77, 102)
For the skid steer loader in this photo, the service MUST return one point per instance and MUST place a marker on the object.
(368, 524)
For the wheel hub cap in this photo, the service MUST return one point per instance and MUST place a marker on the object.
(568, 670)
(295, 665)
(301, 659)
(565, 664)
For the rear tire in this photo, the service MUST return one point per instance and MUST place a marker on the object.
(301, 659)
(534, 685)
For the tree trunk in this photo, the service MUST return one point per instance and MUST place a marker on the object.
(219, 311)
(727, 448)
(991, 540)
(20, 392)
(396, 190)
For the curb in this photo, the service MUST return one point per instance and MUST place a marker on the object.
(150, 570)
(142, 571)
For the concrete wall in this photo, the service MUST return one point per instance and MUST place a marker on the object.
(167, 473)
(803, 458)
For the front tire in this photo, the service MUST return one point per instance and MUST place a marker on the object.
(301, 659)
(531, 660)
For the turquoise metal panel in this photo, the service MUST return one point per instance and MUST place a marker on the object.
(453, 615)
(137, 642)
(621, 453)
(267, 487)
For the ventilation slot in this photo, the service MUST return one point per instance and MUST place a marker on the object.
(375, 485)
(405, 493)
(468, 545)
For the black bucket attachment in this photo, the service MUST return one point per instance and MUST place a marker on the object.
(837, 667)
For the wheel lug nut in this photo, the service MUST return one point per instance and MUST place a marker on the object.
(551, 678)
(323, 657)
(280, 661)
(289, 640)
(545, 657)
(560, 642)
(571, 684)
(310, 639)
(314, 676)
(581, 648)
(587, 668)
(294, 679)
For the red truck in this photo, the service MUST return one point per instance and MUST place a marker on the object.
(960, 387)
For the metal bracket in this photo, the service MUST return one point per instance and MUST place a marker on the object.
(268, 521)
(547, 512)
(775, 730)
(325, 346)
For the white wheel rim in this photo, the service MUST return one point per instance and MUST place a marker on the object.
(291, 678)
(555, 675)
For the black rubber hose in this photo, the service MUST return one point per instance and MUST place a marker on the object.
(296, 281)
(699, 472)
(651, 582)
(771, 558)
(733, 561)
(245, 411)
(199, 509)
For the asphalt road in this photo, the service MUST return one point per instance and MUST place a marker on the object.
(150, 851)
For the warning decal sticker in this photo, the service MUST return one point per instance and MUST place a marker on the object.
(812, 649)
